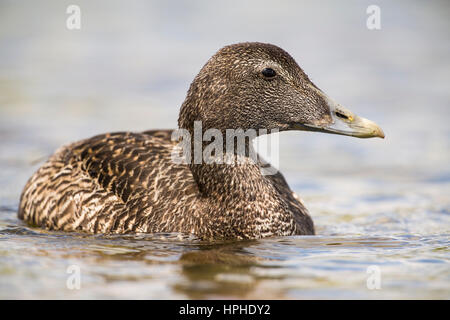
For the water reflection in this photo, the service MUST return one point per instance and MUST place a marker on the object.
(189, 268)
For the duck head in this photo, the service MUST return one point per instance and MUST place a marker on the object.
(260, 86)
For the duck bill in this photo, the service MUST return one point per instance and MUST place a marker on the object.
(343, 122)
(348, 124)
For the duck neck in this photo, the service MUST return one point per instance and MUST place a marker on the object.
(237, 180)
(221, 161)
(221, 168)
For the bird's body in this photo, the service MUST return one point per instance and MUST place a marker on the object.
(128, 182)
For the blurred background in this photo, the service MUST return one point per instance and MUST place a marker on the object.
(383, 202)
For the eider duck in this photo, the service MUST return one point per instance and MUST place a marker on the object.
(127, 182)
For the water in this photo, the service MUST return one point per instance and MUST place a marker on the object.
(382, 203)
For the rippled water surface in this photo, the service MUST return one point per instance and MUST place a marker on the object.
(377, 204)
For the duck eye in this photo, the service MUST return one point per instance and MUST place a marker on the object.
(269, 73)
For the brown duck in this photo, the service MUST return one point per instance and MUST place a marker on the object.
(127, 182)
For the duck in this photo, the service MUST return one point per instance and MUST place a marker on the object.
(129, 182)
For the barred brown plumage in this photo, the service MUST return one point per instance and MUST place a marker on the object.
(127, 182)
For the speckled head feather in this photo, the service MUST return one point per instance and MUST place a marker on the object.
(126, 182)
(231, 91)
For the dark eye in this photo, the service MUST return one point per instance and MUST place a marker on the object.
(269, 73)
